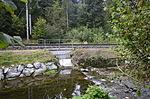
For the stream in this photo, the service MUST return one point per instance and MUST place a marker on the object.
(69, 82)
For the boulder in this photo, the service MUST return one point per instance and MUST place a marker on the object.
(11, 78)
(6, 70)
(29, 65)
(84, 70)
(43, 66)
(1, 74)
(20, 68)
(53, 66)
(22, 75)
(13, 70)
(39, 72)
(28, 71)
(37, 65)
(65, 72)
(49, 63)
(12, 74)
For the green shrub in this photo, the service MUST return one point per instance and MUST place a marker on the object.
(90, 35)
(130, 24)
(40, 30)
(94, 92)
(3, 45)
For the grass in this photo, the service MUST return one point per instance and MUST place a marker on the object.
(85, 53)
(15, 57)
(94, 57)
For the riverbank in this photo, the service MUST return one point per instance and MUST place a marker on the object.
(10, 58)
(94, 57)
(99, 60)
(26, 63)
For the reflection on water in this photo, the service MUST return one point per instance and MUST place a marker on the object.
(45, 87)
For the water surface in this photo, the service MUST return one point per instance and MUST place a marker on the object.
(45, 87)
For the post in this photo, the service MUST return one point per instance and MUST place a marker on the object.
(27, 21)
(72, 43)
(67, 13)
(59, 44)
(30, 24)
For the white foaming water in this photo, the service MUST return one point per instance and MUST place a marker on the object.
(65, 62)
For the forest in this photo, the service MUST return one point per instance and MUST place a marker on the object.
(84, 20)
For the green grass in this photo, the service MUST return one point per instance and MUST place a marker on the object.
(15, 57)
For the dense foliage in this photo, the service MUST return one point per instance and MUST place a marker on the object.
(40, 29)
(94, 92)
(84, 34)
(5, 7)
(61, 16)
(130, 23)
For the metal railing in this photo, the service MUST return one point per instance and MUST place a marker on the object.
(56, 41)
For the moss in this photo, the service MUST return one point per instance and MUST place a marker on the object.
(49, 72)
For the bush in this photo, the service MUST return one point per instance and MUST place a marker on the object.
(90, 35)
(130, 23)
(40, 30)
(94, 92)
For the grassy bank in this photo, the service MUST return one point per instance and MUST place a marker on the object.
(84, 53)
(102, 57)
(14, 57)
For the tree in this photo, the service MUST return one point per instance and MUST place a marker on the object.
(40, 30)
(130, 23)
(56, 19)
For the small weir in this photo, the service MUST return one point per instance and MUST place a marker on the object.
(64, 57)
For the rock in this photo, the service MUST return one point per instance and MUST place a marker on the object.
(13, 70)
(10, 78)
(53, 66)
(20, 68)
(127, 97)
(12, 65)
(65, 72)
(103, 80)
(129, 85)
(1, 74)
(49, 63)
(22, 75)
(30, 66)
(39, 72)
(28, 71)
(77, 91)
(37, 65)
(84, 70)
(6, 70)
(12, 74)
(43, 66)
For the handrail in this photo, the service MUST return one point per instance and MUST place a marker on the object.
(56, 41)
